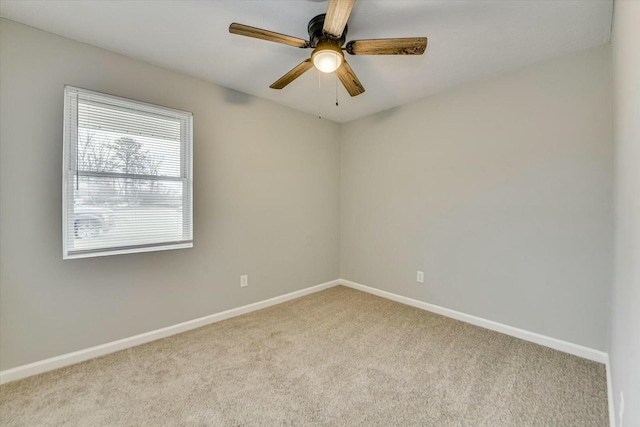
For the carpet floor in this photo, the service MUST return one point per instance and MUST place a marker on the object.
(336, 357)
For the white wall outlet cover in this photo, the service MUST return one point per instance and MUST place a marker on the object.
(420, 277)
(244, 281)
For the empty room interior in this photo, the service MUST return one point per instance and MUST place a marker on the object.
(320, 212)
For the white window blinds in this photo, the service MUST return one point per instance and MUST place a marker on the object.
(127, 176)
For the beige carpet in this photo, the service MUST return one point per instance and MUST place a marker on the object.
(337, 357)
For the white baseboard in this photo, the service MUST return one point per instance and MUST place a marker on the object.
(56, 362)
(567, 347)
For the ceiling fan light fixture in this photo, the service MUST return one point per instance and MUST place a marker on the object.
(327, 35)
(327, 57)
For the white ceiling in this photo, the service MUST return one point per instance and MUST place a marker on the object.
(468, 40)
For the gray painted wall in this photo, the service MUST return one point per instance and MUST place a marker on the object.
(624, 344)
(500, 191)
(266, 204)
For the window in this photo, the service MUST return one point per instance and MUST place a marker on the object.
(127, 176)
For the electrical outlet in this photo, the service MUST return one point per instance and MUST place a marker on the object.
(621, 412)
(244, 281)
(420, 277)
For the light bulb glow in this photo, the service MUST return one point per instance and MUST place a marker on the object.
(327, 61)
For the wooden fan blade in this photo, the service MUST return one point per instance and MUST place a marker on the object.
(349, 79)
(337, 16)
(257, 33)
(296, 72)
(406, 46)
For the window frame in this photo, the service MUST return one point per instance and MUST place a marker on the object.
(69, 170)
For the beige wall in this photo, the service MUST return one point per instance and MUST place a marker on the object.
(500, 191)
(624, 342)
(266, 191)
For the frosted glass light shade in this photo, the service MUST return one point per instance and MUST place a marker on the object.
(327, 61)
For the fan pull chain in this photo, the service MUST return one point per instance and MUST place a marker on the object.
(336, 81)
(319, 98)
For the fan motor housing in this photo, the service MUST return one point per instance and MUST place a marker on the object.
(316, 35)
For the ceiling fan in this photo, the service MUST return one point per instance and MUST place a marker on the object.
(327, 35)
